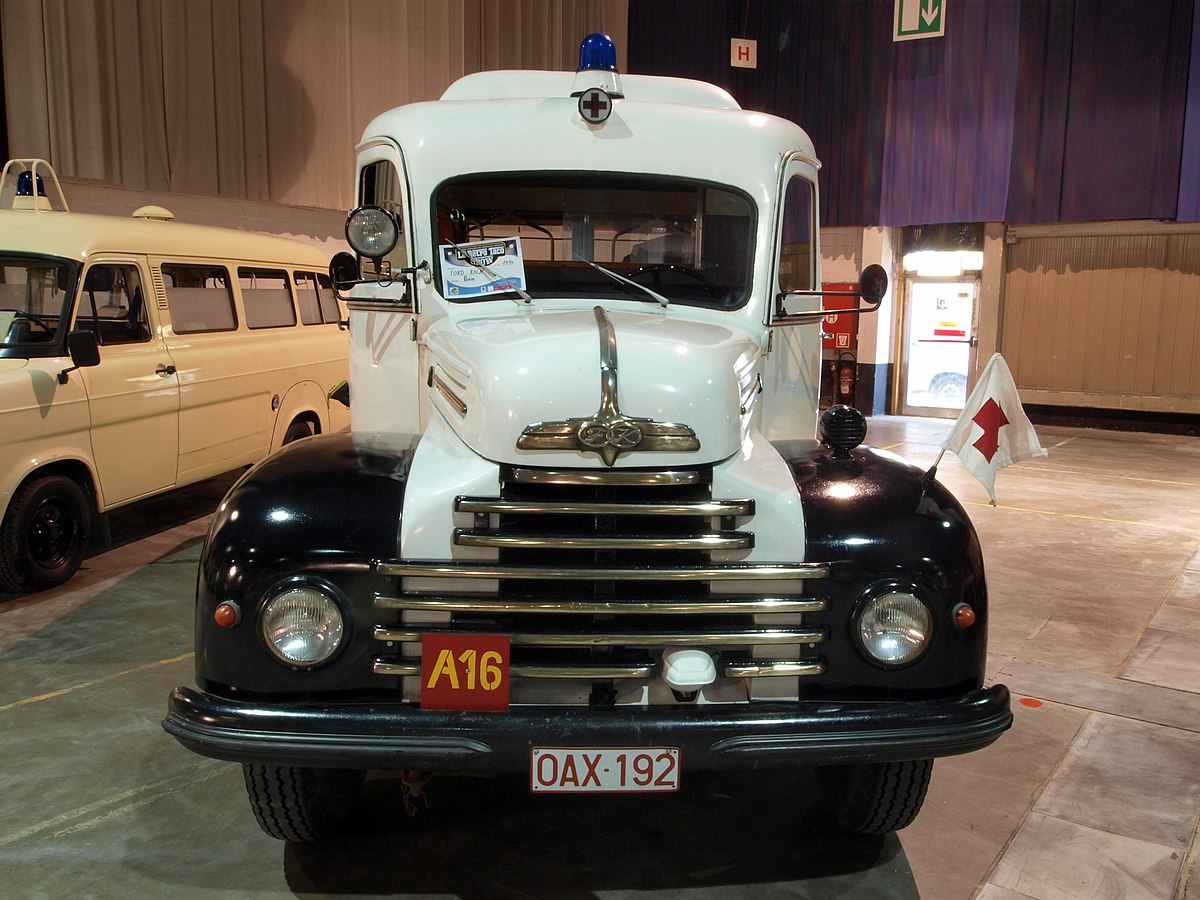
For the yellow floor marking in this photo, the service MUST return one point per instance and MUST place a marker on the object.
(1065, 515)
(87, 684)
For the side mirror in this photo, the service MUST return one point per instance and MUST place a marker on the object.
(344, 271)
(84, 350)
(873, 283)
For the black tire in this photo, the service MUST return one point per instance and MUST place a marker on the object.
(45, 534)
(299, 804)
(875, 798)
(301, 428)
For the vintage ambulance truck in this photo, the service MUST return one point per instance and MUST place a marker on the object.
(587, 525)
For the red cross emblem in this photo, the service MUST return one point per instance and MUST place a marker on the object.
(991, 419)
(595, 106)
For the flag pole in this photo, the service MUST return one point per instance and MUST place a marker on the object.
(928, 477)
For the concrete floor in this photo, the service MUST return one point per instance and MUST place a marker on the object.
(1093, 559)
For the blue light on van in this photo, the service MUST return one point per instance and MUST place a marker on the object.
(25, 185)
(597, 51)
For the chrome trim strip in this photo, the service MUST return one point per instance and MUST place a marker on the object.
(733, 637)
(771, 669)
(456, 402)
(734, 572)
(730, 605)
(724, 540)
(683, 508)
(626, 670)
(605, 477)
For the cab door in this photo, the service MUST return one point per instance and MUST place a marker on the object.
(133, 395)
(384, 337)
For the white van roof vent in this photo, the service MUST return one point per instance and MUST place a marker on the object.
(153, 213)
(32, 184)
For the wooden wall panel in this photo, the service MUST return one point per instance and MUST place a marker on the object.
(1104, 320)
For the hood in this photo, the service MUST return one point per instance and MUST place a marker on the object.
(592, 387)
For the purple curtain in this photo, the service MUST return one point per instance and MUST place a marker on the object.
(1189, 173)
(949, 119)
(1101, 93)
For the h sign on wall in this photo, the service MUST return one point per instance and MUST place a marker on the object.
(743, 54)
(919, 19)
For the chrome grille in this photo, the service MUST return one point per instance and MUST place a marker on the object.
(597, 572)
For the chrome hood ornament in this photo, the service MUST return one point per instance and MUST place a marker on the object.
(608, 432)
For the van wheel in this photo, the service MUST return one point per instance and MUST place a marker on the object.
(293, 803)
(875, 798)
(301, 428)
(45, 534)
(949, 388)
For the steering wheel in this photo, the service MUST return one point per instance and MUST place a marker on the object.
(37, 320)
(657, 269)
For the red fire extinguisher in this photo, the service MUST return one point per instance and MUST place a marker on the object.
(847, 374)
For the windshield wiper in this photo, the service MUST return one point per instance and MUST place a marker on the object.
(663, 301)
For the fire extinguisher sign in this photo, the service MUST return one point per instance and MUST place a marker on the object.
(841, 332)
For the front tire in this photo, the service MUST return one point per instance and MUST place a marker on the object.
(45, 534)
(301, 428)
(875, 798)
(299, 804)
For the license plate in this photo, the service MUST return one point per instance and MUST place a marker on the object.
(563, 770)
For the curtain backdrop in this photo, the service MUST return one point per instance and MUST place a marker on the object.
(254, 99)
(1026, 111)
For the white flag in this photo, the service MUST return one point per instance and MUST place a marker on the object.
(993, 431)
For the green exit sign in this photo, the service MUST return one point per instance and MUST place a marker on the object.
(919, 19)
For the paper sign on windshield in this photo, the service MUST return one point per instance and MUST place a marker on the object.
(482, 267)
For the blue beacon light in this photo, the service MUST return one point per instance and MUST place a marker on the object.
(597, 82)
(597, 51)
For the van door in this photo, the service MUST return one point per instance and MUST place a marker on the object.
(224, 418)
(133, 395)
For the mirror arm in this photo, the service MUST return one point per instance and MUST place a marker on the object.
(782, 317)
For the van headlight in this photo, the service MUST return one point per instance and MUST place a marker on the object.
(372, 231)
(894, 627)
(302, 624)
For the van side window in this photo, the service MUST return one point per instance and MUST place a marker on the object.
(267, 298)
(330, 311)
(112, 305)
(199, 298)
(308, 294)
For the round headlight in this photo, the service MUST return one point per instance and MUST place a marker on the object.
(372, 231)
(302, 625)
(894, 627)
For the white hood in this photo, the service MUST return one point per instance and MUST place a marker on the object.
(494, 377)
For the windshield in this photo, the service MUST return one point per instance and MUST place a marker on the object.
(33, 294)
(687, 241)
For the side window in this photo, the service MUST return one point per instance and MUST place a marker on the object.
(267, 298)
(330, 311)
(307, 297)
(796, 264)
(112, 305)
(199, 298)
(379, 185)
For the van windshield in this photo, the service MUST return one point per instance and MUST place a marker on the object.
(33, 295)
(687, 241)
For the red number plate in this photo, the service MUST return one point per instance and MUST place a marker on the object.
(558, 770)
(464, 671)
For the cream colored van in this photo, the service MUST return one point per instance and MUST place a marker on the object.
(139, 355)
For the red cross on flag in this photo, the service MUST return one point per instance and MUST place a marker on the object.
(993, 431)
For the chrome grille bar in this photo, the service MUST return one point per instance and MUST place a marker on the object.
(733, 572)
(724, 605)
(759, 669)
(716, 540)
(578, 508)
(734, 637)
(607, 478)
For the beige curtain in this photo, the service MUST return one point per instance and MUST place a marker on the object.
(254, 99)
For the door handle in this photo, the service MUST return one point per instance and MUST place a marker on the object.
(164, 370)
(974, 341)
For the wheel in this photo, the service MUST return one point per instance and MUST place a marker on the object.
(45, 534)
(301, 428)
(949, 389)
(875, 798)
(293, 803)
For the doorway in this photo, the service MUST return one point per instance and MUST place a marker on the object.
(939, 341)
